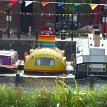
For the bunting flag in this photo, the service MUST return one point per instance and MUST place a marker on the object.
(44, 3)
(12, 2)
(28, 3)
(93, 6)
(60, 3)
(77, 4)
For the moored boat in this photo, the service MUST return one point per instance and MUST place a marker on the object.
(46, 57)
(8, 60)
(91, 56)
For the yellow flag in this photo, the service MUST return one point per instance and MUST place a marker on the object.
(93, 6)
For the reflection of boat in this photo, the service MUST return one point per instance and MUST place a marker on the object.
(46, 57)
(8, 59)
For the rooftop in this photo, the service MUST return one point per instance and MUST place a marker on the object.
(7, 52)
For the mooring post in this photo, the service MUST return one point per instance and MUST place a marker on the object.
(17, 79)
(72, 35)
(91, 82)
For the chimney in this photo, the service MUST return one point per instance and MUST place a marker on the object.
(96, 38)
(95, 28)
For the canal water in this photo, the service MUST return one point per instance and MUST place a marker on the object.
(29, 83)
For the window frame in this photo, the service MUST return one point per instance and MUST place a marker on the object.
(44, 59)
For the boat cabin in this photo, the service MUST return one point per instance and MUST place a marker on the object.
(8, 59)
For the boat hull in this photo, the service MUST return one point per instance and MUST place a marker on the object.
(44, 71)
(4, 70)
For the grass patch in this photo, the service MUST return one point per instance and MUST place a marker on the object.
(61, 95)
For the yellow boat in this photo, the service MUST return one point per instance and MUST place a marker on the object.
(45, 58)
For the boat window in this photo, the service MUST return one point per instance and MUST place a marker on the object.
(45, 61)
(0, 61)
(82, 67)
(16, 57)
(13, 60)
(38, 61)
(78, 51)
(97, 67)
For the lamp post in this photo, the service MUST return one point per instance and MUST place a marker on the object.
(8, 20)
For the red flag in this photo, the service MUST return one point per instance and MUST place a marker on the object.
(44, 3)
(12, 2)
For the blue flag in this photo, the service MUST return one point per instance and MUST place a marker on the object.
(60, 3)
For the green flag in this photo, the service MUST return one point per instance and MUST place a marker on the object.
(77, 4)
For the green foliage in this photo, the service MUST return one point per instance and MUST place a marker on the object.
(43, 98)
(7, 97)
(62, 96)
(100, 96)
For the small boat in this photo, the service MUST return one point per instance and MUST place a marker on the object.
(8, 60)
(45, 60)
(46, 57)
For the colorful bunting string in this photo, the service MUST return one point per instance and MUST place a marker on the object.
(51, 14)
(76, 4)
(92, 5)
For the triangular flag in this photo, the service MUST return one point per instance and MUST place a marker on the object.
(44, 3)
(60, 3)
(93, 6)
(77, 4)
(27, 3)
(12, 2)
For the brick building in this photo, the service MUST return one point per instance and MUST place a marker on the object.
(21, 19)
(31, 15)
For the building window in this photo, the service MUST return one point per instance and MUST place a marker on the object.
(45, 61)
(68, 21)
